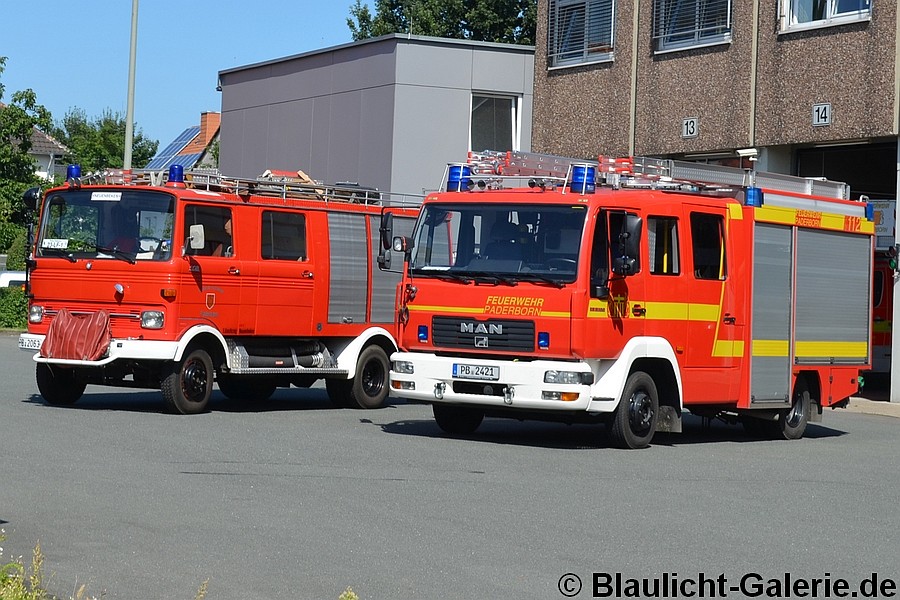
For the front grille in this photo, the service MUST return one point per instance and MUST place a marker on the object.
(488, 335)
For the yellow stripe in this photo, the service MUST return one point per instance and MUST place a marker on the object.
(735, 212)
(776, 348)
(728, 348)
(468, 310)
(668, 311)
(831, 221)
(703, 312)
(830, 349)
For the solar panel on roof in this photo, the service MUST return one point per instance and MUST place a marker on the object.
(185, 160)
(162, 159)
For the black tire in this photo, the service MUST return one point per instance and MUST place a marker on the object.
(246, 388)
(369, 387)
(457, 420)
(59, 386)
(187, 383)
(635, 418)
(791, 423)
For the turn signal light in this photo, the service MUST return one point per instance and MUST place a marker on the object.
(168, 293)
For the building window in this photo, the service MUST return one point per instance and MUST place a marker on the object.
(679, 24)
(580, 31)
(495, 123)
(810, 14)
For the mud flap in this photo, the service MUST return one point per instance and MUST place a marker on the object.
(669, 420)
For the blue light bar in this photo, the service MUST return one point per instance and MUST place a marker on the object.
(73, 172)
(583, 179)
(423, 333)
(870, 211)
(754, 197)
(176, 174)
(459, 178)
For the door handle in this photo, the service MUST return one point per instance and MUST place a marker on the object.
(728, 319)
(234, 271)
(307, 275)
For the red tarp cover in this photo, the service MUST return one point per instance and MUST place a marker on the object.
(77, 337)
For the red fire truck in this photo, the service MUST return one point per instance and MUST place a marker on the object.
(626, 291)
(171, 281)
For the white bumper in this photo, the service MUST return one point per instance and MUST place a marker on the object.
(519, 384)
(118, 350)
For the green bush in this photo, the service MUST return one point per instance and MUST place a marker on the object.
(15, 258)
(8, 233)
(13, 308)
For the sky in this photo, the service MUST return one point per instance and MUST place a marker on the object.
(76, 54)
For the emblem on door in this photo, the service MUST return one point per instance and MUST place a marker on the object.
(210, 301)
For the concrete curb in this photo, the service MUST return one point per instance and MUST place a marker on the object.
(874, 407)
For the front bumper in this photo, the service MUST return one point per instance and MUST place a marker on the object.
(519, 384)
(125, 349)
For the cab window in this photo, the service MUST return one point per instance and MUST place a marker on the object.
(283, 236)
(662, 237)
(708, 247)
(217, 230)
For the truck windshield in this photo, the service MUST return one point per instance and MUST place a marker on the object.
(500, 243)
(116, 224)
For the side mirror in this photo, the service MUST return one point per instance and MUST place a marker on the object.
(31, 198)
(626, 259)
(196, 237)
(402, 244)
(386, 230)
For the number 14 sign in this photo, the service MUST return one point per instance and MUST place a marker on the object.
(821, 115)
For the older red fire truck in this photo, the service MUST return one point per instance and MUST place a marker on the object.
(171, 281)
(626, 291)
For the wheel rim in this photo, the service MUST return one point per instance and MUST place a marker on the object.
(372, 378)
(194, 380)
(795, 415)
(640, 412)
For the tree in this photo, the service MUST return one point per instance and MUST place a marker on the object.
(99, 143)
(17, 122)
(507, 21)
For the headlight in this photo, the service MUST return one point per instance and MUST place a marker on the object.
(35, 314)
(403, 366)
(152, 319)
(566, 377)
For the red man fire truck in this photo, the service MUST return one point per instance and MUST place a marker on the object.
(626, 291)
(172, 282)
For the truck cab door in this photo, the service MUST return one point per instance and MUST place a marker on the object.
(715, 322)
(211, 280)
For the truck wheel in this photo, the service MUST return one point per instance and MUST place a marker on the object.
(635, 418)
(369, 387)
(59, 387)
(791, 423)
(187, 383)
(458, 420)
(245, 388)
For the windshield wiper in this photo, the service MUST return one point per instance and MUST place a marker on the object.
(58, 252)
(495, 278)
(443, 275)
(120, 254)
(539, 278)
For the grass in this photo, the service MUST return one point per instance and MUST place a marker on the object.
(18, 582)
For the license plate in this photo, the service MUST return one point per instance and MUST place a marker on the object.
(476, 372)
(29, 343)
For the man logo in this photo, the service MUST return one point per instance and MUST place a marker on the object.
(481, 341)
(483, 328)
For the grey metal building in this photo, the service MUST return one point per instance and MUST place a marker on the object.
(388, 112)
